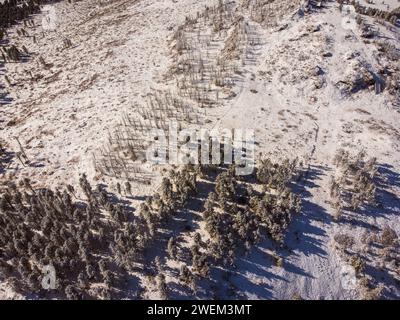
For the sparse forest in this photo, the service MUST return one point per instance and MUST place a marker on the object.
(84, 107)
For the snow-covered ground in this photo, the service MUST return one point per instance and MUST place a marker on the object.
(387, 5)
(65, 99)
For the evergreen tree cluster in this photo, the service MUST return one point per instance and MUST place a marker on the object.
(357, 185)
(13, 11)
(390, 16)
(237, 215)
(174, 192)
(88, 242)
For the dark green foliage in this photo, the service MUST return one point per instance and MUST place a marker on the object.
(80, 239)
(12, 11)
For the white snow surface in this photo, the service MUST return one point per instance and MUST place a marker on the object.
(120, 52)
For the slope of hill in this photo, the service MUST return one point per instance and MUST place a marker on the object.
(81, 99)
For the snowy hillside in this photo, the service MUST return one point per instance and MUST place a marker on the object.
(319, 87)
